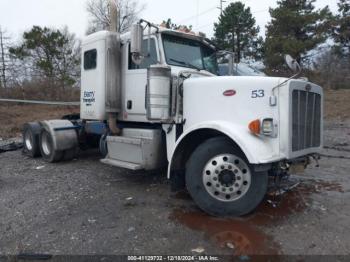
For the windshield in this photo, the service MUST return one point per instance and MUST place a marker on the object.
(240, 69)
(189, 53)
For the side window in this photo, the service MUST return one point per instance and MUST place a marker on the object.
(147, 61)
(90, 59)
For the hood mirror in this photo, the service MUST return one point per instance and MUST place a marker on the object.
(292, 63)
(295, 67)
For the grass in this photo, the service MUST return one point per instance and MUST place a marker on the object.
(13, 116)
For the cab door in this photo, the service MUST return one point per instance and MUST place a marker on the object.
(93, 81)
(136, 81)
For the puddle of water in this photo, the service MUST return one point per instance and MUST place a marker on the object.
(244, 233)
(290, 203)
(227, 233)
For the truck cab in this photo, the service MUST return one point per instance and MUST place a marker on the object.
(158, 95)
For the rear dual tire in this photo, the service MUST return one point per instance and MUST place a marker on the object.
(221, 181)
(31, 136)
(47, 149)
(49, 153)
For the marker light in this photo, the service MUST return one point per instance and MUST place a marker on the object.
(254, 127)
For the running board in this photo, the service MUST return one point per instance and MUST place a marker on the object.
(117, 163)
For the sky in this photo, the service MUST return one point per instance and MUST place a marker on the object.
(17, 16)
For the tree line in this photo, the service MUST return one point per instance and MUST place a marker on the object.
(318, 39)
(45, 63)
(49, 58)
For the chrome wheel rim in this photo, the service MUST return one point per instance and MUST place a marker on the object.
(226, 177)
(28, 140)
(46, 145)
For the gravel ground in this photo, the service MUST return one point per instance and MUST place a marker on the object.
(84, 207)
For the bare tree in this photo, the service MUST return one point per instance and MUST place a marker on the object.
(4, 58)
(98, 10)
(67, 63)
(332, 70)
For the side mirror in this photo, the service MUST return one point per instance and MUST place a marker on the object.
(292, 63)
(136, 43)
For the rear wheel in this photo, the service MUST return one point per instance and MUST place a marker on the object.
(47, 148)
(31, 133)
(221, 181)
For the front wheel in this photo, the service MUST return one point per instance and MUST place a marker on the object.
(221, 181)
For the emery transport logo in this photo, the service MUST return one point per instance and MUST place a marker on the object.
(89, 97)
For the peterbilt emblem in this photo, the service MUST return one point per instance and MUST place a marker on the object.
(308, 87)
(229, 92)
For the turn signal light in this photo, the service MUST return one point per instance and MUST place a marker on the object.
(254, 127)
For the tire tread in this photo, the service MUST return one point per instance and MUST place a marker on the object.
(199, 158)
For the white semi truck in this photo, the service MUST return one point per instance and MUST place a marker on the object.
(153, 99)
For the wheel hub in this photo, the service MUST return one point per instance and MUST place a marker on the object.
(46, 146)
(28, 140)
(226, 177)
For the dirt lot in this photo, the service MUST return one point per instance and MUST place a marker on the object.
(85, 207)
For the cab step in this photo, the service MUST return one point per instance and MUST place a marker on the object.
(121, 164)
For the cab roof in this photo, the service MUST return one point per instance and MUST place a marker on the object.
(125, 37)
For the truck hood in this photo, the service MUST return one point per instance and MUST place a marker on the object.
(176, 70)
(233, 101)
(268, 81)
(236, 82)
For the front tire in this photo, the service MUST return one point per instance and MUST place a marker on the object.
(221, 181)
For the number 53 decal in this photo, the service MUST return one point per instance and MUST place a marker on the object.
(258, 93)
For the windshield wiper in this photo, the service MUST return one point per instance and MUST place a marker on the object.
(186, 64)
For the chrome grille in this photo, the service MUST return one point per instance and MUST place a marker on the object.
(306, 117)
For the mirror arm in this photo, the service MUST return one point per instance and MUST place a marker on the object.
(292, 77)
(149, 24)
(149, 42)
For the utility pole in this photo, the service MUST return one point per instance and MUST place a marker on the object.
(197, 14)
(221, 6)
(221, 11)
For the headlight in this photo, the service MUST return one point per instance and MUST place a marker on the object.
(267, 127)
